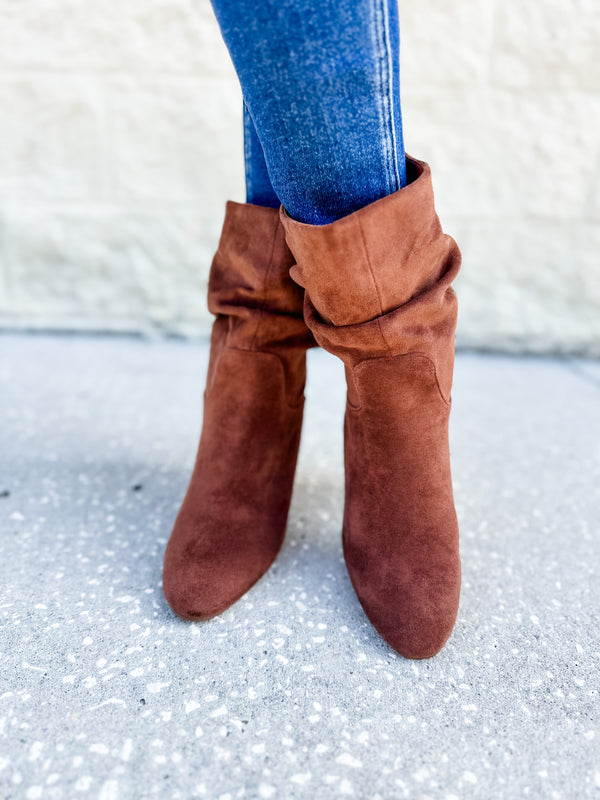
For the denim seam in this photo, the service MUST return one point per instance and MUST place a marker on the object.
(386, 99)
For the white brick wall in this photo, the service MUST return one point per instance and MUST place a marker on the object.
(121, 139)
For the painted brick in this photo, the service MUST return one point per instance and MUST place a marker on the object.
(121, 140)
(445, 44)
(535, 289)
(52, 139)
(547, 45)
(131, 36)
(506, 153)
(110, 269)
(176, 140)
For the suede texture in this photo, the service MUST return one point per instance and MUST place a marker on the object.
(378, 295)
(232, 521)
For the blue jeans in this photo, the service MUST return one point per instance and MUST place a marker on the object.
(322, 121)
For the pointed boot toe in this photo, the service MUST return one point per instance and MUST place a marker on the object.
(203, 579)
(413, 607)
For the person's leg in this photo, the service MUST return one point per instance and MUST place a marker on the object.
(233, 517)
(259, 189)
(320, 80)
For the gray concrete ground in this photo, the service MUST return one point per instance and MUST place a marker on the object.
(105, 694)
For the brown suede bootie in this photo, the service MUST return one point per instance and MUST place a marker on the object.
(232, 521)
(378, 295)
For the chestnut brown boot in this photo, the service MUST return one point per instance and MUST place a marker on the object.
(378, 295)
(232, 521)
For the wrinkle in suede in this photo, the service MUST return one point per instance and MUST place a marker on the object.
(232, 521)
(378, 295)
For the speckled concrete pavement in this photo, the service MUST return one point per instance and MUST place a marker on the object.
(105, 694)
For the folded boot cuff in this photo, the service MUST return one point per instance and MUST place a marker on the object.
(375, 259)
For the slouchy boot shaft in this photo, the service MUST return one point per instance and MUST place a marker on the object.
(378, 295)
(232, 521)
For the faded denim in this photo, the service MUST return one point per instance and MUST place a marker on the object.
(322, 120)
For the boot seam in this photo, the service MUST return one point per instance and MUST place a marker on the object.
(447, 402)
(301, 398)
(375, 286)
(263, 300)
